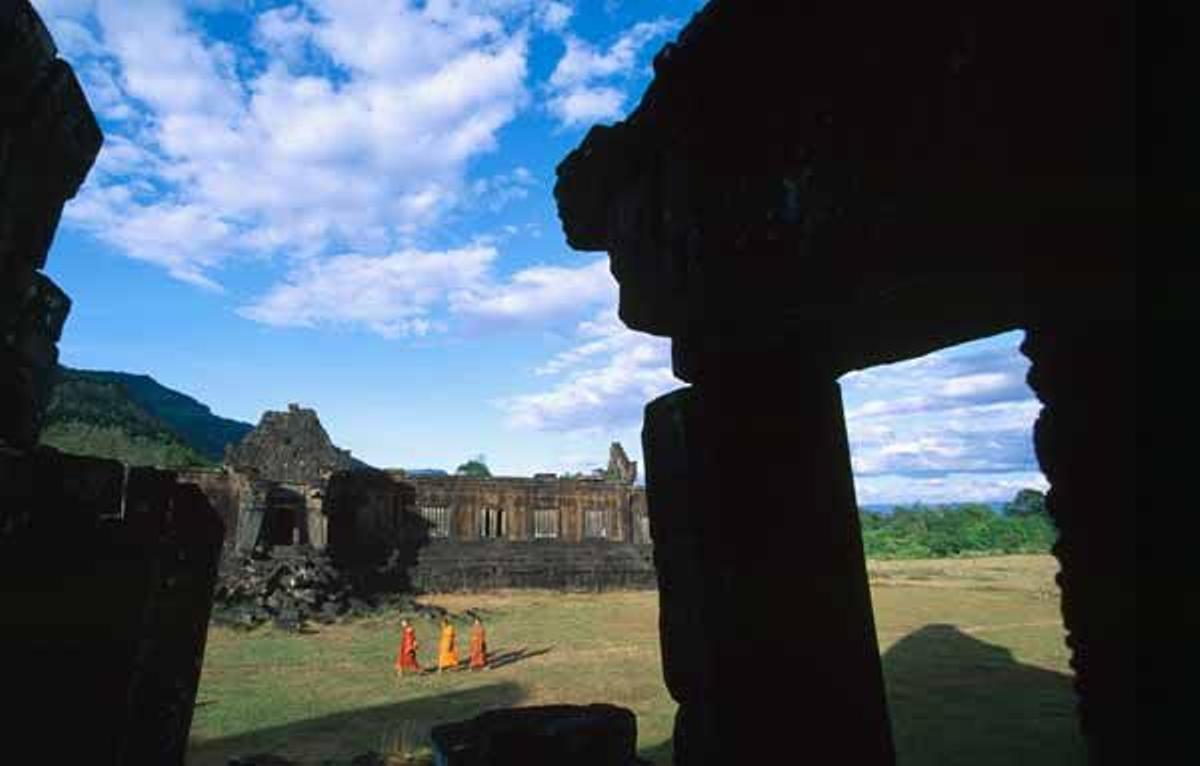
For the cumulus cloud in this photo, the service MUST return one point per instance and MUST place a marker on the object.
(604, 382)
(495, 192)
(335, 126)
(585, 86)
(391, 295)
(955, 425)
(540, 294)
(554, 16)
(405, 293)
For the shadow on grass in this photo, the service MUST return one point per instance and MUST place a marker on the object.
(343, 735)
(955, 699)
(500, 659)
(497, 660)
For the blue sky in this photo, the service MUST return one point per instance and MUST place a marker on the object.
(348, 205)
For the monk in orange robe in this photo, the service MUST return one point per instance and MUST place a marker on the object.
(478, 645)
(447, 653)
(406, 658)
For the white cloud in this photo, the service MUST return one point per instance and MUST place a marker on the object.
(583, 105)
(391, 295)
(401, 294)
(495, 192)
(599, 395)
(554, 16)
(539, 294)
(952, 425)
(582, 89)
(966, 488)
(339, 126)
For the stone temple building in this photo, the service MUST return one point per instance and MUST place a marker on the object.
(287, 484)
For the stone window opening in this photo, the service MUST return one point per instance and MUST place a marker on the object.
(491, 523)
(438, 517)
(595, 524)
(545, 523)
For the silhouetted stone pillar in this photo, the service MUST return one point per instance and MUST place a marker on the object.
(767, 633)
(1086, 439)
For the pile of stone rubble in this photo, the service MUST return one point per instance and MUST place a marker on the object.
(294, 585)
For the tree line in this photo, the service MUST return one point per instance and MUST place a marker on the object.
(937, 531)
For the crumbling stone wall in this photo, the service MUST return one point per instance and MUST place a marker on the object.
(290, 447)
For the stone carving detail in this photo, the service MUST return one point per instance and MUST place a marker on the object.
(620, 467)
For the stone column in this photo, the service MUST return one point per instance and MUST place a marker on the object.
(1086, 439)
(768, 637)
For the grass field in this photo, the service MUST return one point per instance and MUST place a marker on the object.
(972, 650)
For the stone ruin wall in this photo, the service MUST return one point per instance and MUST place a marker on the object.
(468, 498)
(365, 515)
(466, 560)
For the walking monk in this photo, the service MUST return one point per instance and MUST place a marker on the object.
(447, 654)
(406, 658)
(478, 645)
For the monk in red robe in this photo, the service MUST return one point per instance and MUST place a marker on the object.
(406, 658)
(478, 645)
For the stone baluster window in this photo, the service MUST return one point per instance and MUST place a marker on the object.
(491, 523)
(438, 517)
(545, 523)
(595, 524)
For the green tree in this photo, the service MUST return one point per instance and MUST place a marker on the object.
(476, 467)
(1027, 502)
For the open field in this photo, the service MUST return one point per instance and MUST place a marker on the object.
(972, 651)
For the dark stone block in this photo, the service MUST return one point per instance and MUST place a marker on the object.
(261, 759)
(114, 608)
(580, 735)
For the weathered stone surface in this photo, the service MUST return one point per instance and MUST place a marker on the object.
(955, 175)
(723, 577)
(580, 735)
(807, 189)
(29, 360)
(1079, 370)
(108, 584)
(288, 586)
(486, 565)
(48, 141)
(289, 447)
(620, 467)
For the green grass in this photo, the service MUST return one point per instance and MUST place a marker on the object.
(972, 650)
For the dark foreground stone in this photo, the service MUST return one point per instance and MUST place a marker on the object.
(579, 735)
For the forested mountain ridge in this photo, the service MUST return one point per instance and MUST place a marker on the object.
(136, 419)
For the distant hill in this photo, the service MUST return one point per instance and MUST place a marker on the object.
(136, 419)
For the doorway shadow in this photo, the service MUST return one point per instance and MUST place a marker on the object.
(345, 734)
(955, 699)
